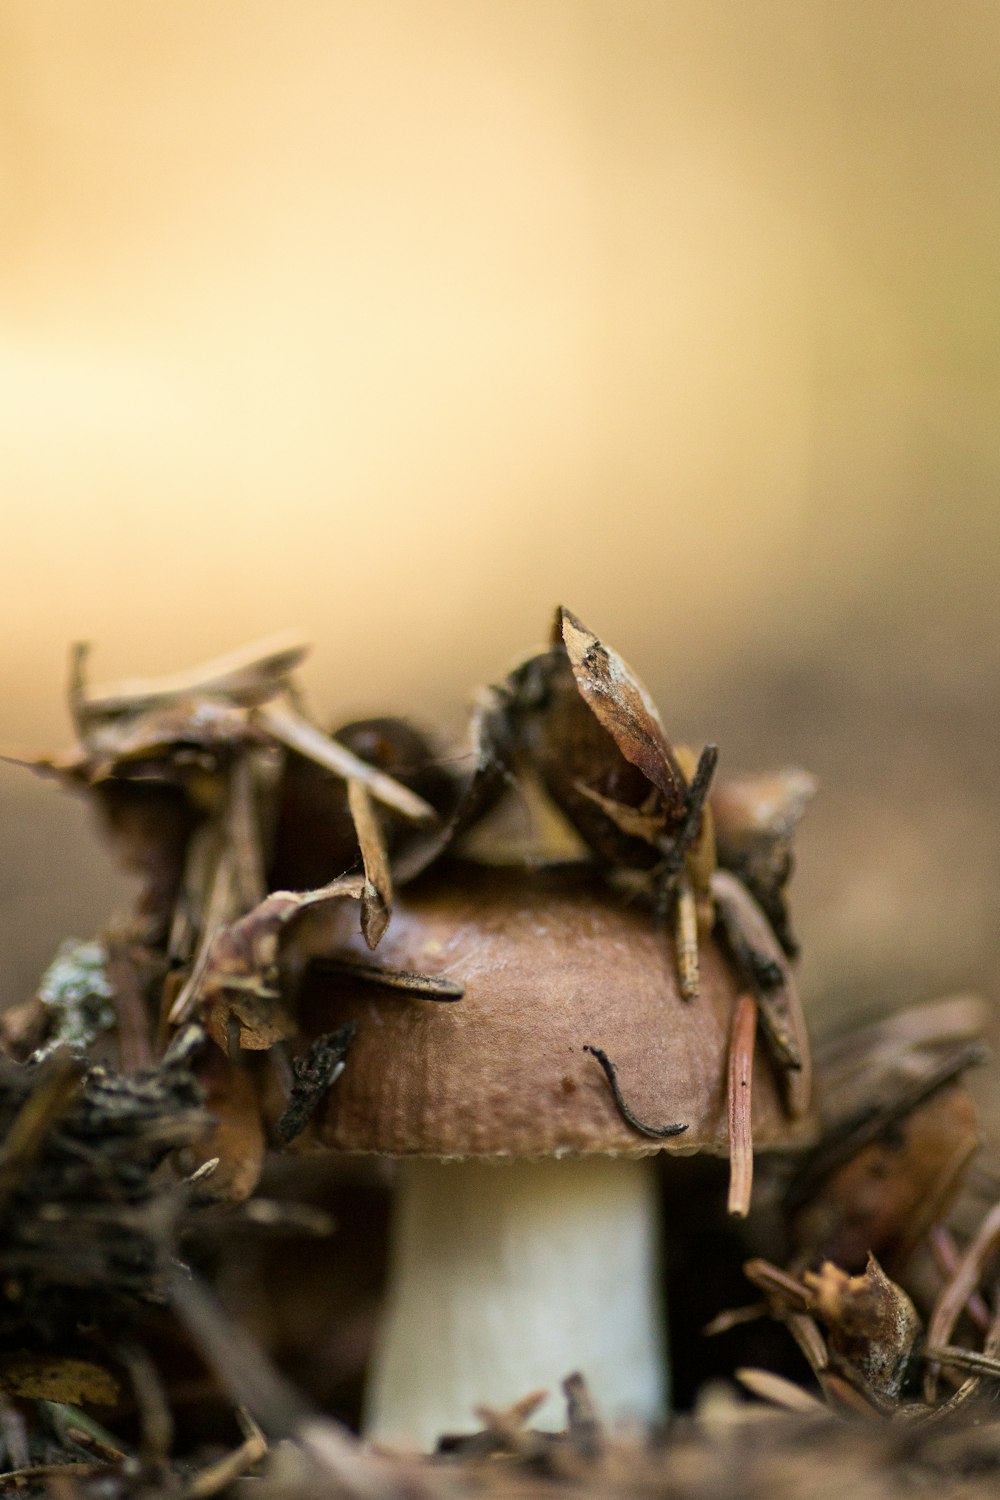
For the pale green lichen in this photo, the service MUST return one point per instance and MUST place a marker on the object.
(76, 989)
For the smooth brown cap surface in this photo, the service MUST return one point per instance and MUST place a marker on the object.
(550, 963)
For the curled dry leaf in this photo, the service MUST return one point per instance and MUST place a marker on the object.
(552, 733)
(622, 706)
(240, 980)
(313, 1074)
(166, 757)
(184, 742)
(872, 1325)
(872, 1331)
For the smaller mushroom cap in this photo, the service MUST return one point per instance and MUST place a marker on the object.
(551, 963)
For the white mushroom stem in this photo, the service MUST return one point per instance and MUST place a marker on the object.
(508, 1276)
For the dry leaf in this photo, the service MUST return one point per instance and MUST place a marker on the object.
(240, 979)
(54, 1377)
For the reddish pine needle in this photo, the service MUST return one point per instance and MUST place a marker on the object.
(945, 1253)
(741, 1048)
(955, 1295)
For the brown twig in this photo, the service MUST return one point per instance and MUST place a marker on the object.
(658, 1132)
(218, 1476)
(789, 1300)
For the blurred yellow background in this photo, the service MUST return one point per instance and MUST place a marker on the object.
(402, 320)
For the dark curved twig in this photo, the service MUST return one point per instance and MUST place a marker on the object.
(658, 1132)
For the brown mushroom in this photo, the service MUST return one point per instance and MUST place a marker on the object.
(526, 1239)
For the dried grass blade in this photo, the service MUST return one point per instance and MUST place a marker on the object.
(788, 1300)
(298, 734)
(218, 911)
(422, 986)
(376, 898)
(955, 1357)
(247, 676)
(686, 940)
(778, 1285)
(778, 1391)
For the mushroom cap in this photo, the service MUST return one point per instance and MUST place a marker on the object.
(551, 962)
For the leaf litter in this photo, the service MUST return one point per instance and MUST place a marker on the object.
(213, 781)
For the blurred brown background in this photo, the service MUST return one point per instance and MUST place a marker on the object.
(401, 320)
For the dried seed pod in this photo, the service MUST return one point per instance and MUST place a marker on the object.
(872, 1324)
